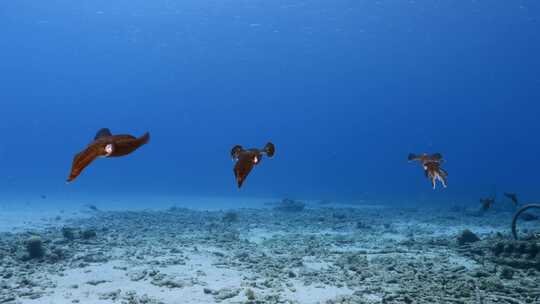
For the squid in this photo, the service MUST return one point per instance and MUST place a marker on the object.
(432, 168)
(246, 159)
(105, 145)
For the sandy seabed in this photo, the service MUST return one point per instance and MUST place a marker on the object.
(273, 253)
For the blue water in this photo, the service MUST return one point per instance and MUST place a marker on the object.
(345, 90)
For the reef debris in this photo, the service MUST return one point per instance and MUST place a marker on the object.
(34, 247)
(69, 233)
(467, 237)
(230, 217)
(516, 216)
(289, 205)
(88, 234)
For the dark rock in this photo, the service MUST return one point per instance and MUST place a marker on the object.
(96, 282)
(34, 247)
(521, 248)
(533, 251)
(507, 273)
(250, 294)
(467, 237)
(480, 274)
(163, 280)
(88, 234)
(230, 217)
(362, 225)
(56, 255)
(94, 258)
(92, 207)
(68, 233)
(353, 261)
(509, 249)
(226, 293)
(137, 275)
(498, 249)
(288, 205)
(339, 216)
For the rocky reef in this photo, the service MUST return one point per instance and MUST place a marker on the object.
(292, 255)
(289, 205)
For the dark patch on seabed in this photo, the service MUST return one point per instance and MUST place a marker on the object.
(284, 254)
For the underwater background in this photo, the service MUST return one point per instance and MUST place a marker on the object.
(345, 90)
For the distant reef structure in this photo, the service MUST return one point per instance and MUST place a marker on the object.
(289, 205)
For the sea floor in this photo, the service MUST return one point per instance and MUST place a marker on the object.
(320, 254)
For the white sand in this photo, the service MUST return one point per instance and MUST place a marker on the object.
(198, 269)
(199, 272)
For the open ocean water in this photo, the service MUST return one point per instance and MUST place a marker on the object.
(258, 151)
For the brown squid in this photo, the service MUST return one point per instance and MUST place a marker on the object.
(246, 159)
(486, 203)
(105, 145)
(432, 167)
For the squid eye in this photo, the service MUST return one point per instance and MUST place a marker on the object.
(109, 149)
